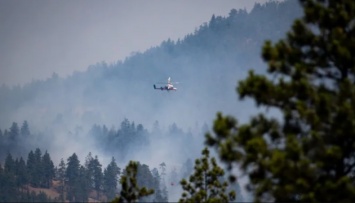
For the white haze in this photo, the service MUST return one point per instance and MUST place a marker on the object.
(64, 109)
(41, 37)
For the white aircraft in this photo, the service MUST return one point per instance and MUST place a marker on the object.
(168, 86)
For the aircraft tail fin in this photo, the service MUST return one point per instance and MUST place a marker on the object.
(154, 87)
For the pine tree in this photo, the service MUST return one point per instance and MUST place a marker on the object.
(48, 170)
(309, 155)
(37, 175)
(25, 130)
(72, 176)
(14, 132)
(2, 186)
(162, 167)
(131, 192)
(95, 173)
(156, 129)
(8, 180)
(31, 168)
(10, 164)
(145, 179)
(22, 174)
(111, 173)
(205, 184)
(62, 178)
(98, 176)
(90, 167)
(82, 186)
(158, 194)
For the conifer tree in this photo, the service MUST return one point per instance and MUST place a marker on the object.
(48, 170)
(162, 167)
(98, 176)
(14, 132)
(21, 173)
(111, 174)
(31, 168)
(131, 191)
(309, 155)
(37, 174)
(9, 164)
(61, 177)
(204, 184)
(95, 173)
(8, 180)
(72, 175)
(145, 179)
(90, 167)
(82, 185)
(159, 197)
(25, 130)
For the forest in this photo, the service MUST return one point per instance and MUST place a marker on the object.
(112, 111)
(212, 58)
(21, 179)
(37, 179)
(106, 135)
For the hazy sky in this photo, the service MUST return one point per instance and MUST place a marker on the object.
(40, 37)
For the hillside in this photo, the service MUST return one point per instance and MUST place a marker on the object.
(54, 192)
(112, 109)
(208, 62)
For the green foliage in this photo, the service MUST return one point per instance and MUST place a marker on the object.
(31, 168)
(8, 190)
(145, 179)
(82, 186)
(37, 169)
(75, 181)
(61, 176)
(111, 174)
(48, 170)
(12, 180)
(72, 175)
(131, 191)
(95, 174)
(205, 183)
(21, 173)
(309, 156)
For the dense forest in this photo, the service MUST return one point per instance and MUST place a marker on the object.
(122, 142)
(207, 62)
(38, 179)
(87, 112)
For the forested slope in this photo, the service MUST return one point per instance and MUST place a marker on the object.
(207, 62)
(113, 110)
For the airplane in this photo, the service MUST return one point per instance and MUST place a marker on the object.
(169, 86)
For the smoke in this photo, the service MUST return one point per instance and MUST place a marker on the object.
(62, 110)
